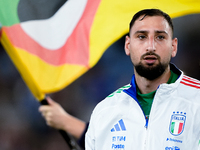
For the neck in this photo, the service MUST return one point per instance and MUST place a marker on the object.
(146, 86)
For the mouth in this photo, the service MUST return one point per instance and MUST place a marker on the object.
(150, 59)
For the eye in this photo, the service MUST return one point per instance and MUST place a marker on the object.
(141, 37)
(160, 37)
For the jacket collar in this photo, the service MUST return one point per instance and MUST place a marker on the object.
(132, 91)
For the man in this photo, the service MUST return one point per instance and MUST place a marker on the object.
(160, 108)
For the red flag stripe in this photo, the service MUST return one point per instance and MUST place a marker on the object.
(74, 46)
(0, 33)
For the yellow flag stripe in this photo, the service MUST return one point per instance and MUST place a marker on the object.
(112, 19)
(30, 67)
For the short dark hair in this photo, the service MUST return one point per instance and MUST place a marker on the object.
(151, 12)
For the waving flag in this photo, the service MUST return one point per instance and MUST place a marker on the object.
(52, 43)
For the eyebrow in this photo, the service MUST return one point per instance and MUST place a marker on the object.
(158, 31)
(144, 31)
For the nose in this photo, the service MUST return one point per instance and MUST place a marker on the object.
(151, 45)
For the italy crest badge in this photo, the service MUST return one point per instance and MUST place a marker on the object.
(177, 123)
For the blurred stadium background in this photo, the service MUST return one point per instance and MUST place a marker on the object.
(23, 128)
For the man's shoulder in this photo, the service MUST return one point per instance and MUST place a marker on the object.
(118, 91)
(190, 83)
(190, 89)
(112, 100)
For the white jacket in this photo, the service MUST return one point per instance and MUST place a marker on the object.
(118, 122)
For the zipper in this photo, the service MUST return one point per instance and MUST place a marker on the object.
(133, 95)
(147, 120)
(145, 126)
(146, 133)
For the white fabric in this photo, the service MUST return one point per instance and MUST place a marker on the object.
(52, 33)
(172, 101)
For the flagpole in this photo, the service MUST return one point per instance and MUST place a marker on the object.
(70, 141)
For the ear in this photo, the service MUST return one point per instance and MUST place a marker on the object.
(127, 45)
(174, 47)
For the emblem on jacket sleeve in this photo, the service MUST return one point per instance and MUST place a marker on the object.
(177, 123)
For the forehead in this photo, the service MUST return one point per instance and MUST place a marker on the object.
(151, 23)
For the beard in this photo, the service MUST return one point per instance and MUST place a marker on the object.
(151, 71)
